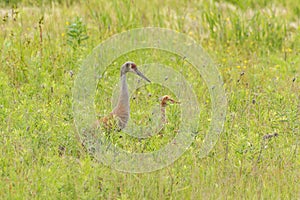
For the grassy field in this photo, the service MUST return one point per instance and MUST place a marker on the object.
(256, 46)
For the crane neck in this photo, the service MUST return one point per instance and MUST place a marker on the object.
(122, 110)
(163, 113)
(124, 94)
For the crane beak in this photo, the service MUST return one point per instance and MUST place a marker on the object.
(141, 75)
(173, 101)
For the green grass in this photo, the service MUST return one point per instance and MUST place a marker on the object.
(256, 46)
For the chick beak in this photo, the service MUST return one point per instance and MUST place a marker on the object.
(173, 101)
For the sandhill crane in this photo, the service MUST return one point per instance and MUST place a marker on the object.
(119, 116)
(163, 104)
(122, 109)
(164, 100)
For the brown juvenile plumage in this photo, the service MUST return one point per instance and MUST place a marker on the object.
(163, 104)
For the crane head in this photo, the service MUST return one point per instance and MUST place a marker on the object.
(131, 67)
(165, 99)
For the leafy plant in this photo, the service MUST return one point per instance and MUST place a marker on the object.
(76, 33)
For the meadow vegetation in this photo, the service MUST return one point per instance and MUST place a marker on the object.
(256, 48)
